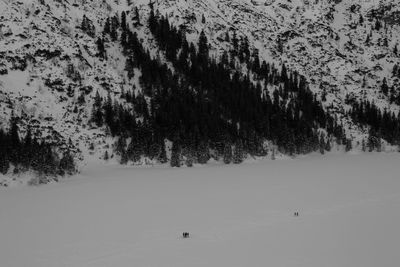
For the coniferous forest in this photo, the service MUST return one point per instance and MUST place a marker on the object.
(223, 106)
(208, 106)
(29, 153)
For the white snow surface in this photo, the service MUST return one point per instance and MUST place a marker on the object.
(242, 215)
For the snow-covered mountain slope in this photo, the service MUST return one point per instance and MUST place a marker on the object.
(38, 43)
(323, 40)
(50, 72)
(49, 69)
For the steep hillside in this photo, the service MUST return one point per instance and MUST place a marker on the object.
(344, 48)
(65, 65)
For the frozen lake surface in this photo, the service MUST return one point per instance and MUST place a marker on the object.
(349, 215)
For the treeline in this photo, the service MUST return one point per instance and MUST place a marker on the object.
(384, 124)
(207, 106)
(391, 91)
(29, 153)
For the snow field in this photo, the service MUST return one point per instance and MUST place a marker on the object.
(236, 215)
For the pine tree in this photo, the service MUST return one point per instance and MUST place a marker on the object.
(67, 163)
(395, 69)
(137, 16)
(107, 27)
(244, 54)
(120, 146)
(101, 48)
(227, 38)
(273, 157)
(84, 23)
(15, 143)
(227, 154)
(203, 19)
(27, 149)
(238, 154)
(378, 25)
(368, 40)
(203, 46)
(189, 158)
(328, 145)
(384, 87)
(152, 21)
(113, 28)
(203, 154)
(385, 42)
(88, 27)
(124, 42)
(123, 21)
(97, 113)
(134, 151)
(14, 136)
(349, 145)
(4, 164)
(162, 158)
(284, 75)
(175, 155)
(322, 144)
(235, 44)
(124, 158)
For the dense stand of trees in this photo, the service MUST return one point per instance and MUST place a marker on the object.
(224, 107)
(88, 27)
(384, 124)
(28, 153)
(206, 106)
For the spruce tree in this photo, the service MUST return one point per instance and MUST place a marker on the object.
(101, 48)
(123, 21)
(203, 154)
(385, 87)
(227, 154)
(322, 144)
(67, 163)
(238, 154)
(349, 146)
(175, 155)
(203, 46)
(107, 27)
(120, 146)
(137, 16)
(162, 158)
(4, 164)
